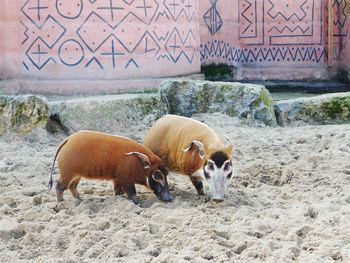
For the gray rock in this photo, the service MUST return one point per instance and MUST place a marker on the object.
(325, 109)
(21, 114)
(250, 103)
(109, 113)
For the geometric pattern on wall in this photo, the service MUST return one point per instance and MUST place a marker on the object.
(340, 17)
(275, 22)
(251, 22)
(224, 52)
(212, 18)
(340, 23)
(280, 31)
(96, 33)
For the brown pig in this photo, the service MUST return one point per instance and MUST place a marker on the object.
(96, 155)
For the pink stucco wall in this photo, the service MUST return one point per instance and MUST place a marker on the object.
(98, 39)
(109, 45)
(272, 39)
(345, 52)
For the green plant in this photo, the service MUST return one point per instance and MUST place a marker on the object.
(218, 72)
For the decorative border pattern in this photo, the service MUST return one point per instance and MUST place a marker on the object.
(226, 53)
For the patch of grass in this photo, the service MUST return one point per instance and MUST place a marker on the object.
(138, 91)
(218, 72)
(337, 108)
(342, 76)
(150, 90)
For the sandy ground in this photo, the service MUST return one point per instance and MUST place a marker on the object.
(289, 201)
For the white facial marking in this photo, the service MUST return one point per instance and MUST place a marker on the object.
(161, 180)
(218, 178)
(199, 173)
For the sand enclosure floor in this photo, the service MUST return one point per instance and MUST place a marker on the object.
(289, 201)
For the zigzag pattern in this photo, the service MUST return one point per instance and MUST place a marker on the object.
(287, 28)
(287, 18)
(340, 17)
(247, 18)
(25, 33)
(228, 53)
(162, 14)
(343, 15)
(178, 7)
(161, 38)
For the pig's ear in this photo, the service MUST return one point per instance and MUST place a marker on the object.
(199, 146)
(143, 159)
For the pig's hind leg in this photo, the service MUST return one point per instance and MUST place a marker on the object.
(73, 188)
(60, 188)
(118, 189)
(62, 185)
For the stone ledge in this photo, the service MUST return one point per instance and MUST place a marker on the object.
(83, 87)
(324, 109)
(110, 112)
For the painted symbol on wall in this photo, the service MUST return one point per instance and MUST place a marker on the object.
(50, 32)
(179, 45)
(340, 17)
(35, 11)
(70, 9)
(100, 35)
(38, 54)
(212, 18)
(114, 52)
(132, 62)
(71, 52)
(179, 8)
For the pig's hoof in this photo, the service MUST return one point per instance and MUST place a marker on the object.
(204, 198)
(77, 201)
(136, 201)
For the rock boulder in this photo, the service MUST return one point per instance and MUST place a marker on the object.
(250, 103)
(21, 114)
(108, 113)
(324, 109)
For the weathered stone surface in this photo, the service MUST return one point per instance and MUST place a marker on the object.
(109, 113)
(325, 109)
(21, 114)
(250, 103)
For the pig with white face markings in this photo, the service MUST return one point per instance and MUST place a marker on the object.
(189, 147)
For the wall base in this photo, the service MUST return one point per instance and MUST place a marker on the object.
(282, 73)
(82, 87)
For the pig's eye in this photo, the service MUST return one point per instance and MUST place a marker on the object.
(227, 166)
(210, 166)
(157, 176)
(207, 175)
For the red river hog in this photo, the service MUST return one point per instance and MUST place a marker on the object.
(189, 147)
(96, 155)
